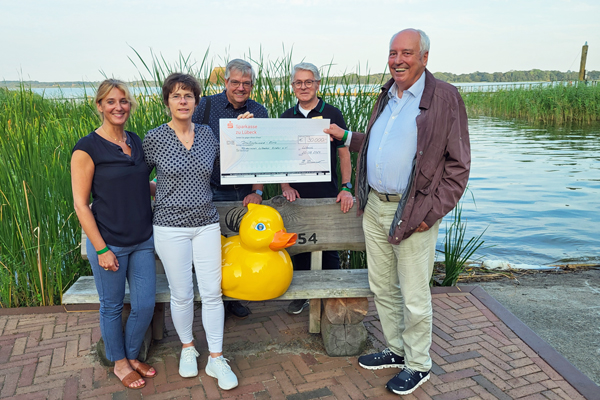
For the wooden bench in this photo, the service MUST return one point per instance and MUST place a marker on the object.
(320, 226)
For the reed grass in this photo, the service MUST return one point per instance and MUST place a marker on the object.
(458, 250)
(558, 104)
(38, 228)
(39, 231)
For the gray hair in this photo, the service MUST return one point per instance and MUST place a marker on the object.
(304, 66)
(240, 65)
(423, 44)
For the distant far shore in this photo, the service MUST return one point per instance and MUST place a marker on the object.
(64, 85)
(534, 75)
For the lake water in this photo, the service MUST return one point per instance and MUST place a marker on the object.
(536, 190)
(78, 93)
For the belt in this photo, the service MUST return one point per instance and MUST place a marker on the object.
(386, 196)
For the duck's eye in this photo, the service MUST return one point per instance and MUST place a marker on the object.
(260, 227)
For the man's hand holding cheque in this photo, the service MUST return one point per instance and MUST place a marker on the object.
(335, 132)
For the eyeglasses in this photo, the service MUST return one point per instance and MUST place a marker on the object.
(187, 97)
(308, 83)
(245, 85)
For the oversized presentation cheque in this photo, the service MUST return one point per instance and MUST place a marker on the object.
(262, 150)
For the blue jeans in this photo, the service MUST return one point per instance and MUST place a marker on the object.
(138, 267)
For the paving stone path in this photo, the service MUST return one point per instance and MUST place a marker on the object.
(479, 352)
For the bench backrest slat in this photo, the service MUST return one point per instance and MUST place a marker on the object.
(319, 223)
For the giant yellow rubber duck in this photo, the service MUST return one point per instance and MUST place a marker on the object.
(255, 264)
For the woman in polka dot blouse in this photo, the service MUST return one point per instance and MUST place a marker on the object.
(186, 224)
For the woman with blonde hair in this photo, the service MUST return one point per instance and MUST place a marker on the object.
(109, 163)
(186, 224)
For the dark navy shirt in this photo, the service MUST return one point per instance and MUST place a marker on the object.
(220, 107)
(320, 189)
(120, 190)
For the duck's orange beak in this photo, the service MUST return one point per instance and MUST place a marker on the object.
(282, 240)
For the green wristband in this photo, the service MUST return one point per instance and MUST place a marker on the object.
(345, 137)
(104, 250)
(347, 190)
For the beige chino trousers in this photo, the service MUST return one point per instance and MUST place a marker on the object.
(399, 277)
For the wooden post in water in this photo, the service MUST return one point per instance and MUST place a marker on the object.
(584, 51)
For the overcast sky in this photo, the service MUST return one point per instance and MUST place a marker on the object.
(66, 40)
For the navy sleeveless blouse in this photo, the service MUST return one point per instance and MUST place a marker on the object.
(120, 190)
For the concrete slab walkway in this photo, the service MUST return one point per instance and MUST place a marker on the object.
(480, 351)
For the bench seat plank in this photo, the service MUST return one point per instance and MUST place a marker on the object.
(305, 285)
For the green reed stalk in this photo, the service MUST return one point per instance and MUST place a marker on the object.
(458, 250)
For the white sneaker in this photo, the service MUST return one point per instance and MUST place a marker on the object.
(218, 368)
(188, 366)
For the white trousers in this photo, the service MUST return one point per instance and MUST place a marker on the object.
(399, 277)
(178, 248)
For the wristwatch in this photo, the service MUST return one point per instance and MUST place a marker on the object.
(258, 192)
(347, 185)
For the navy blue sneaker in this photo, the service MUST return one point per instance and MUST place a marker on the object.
(237, 309)
(385, 359)
(407, 381)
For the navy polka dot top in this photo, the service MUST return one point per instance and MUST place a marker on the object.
(183, 196)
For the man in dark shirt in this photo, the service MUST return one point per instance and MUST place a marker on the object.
(305, 82)
(233, 102)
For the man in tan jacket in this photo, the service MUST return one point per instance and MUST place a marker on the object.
(413, 167)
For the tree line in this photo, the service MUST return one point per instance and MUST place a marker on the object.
(534, 75)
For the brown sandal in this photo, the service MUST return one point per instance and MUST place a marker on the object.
(131, 378)
(143, 368)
